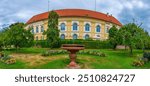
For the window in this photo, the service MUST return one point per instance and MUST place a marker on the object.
(87, 27)
(107, 29)
(63, 26)
(87, 36)
(37, 29)
(75, 26)
(75, 36)
(98, 28)
(62, 36)
(42, 28)
(32, 30)
(37, 38)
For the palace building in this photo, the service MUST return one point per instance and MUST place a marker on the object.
(75, 24)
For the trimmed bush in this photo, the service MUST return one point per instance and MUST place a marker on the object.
(89, 44)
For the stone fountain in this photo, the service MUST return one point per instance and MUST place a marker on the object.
(73, 49)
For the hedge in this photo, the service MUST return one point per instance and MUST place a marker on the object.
(89, 44)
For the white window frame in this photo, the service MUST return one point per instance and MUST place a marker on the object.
(86, 34)
(65, 26)
(41, 28)
(89, 24)
(64, 34)
(107, 25)
(96, 27)
(38, 29)
(77, 26)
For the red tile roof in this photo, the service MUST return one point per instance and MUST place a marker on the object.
(76, 13)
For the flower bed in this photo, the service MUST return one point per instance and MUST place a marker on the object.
(7, 59)
(57, 52)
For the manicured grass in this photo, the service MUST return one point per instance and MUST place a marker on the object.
(17, 65)
(26, 50)
(115, 59)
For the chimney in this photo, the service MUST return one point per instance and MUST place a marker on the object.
(107, 14)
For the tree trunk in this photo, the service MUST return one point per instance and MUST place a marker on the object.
(131, 51)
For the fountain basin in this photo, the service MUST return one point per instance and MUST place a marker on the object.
(73, 49)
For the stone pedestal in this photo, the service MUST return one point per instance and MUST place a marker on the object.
(73, 49)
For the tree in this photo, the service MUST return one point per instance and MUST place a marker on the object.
(3, 38)
(113, 36)
(18, 36)
(1, 41)
(52, 32)
(132, 34)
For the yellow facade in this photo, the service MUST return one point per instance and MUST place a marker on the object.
(81, 29)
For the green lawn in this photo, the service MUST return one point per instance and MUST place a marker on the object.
(118, 59)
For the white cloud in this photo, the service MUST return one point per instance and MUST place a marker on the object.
(25, 14)
(22, 10)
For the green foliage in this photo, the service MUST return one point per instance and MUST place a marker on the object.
(3, 38)
(18, 36)
(147, 55)
(131, 34)
(138, 63)
(41, 43)
(7, 59)
(52, 32)
(54, 52)
(92, 52)
(89, 44)
(57, 52)
(113, 36)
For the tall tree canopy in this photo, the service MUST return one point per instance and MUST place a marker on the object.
(131, 35)
(19, 37)
(113, 36)
(52, 32)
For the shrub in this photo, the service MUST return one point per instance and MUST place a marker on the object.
(1, 55)
(7, 59)
(57, 52)
(147, 55)
(138, 63)
(41, 43)
(94, 53)
(54, 52)
(89, 44)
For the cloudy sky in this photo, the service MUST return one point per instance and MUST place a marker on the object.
(124, 10)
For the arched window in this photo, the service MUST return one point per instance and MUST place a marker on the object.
(62, 26)
(107, 29)
(87, 36)
(42, 28)
(75, 36)
(37, 29)
(87, 27)
(62, 36)
(37, 38)
(75, 26)
(32, 29)
(98, 28)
